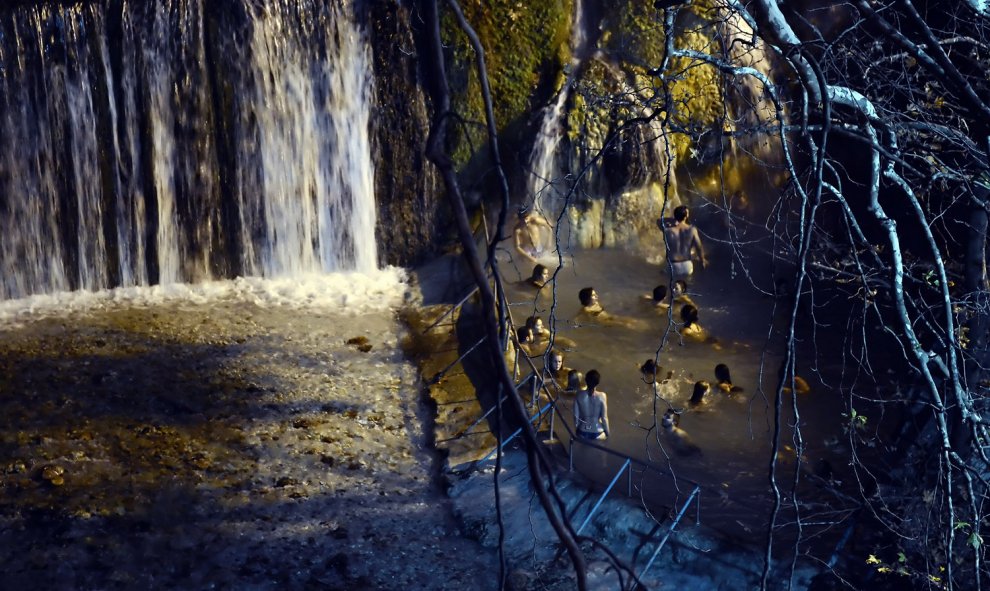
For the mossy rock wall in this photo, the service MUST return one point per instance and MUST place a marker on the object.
(527, 52)
(627, 220)
(526, 47)
(619, 81)
(528, 56)
(412, 213)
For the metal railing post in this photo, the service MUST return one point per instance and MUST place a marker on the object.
(553, 415)
(695, 492)
(513, 436)
(601, 499)
(534, 391)
(448, 312)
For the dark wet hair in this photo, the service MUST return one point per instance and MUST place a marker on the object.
(701, 388)
(585, 296)
(681, 213)
(556, 353)
(689, 314)
(531, 322)
(681, 284)
(649, 368)
(524, 334)
(574, 378)
(538, 271)
(592, 379)
(659, 293)
(722, 374)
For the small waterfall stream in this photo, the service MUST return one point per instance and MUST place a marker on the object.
(181, 141)
(302, 119)
(543, 184)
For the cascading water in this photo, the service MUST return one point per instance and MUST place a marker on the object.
(171, 141)
(547, 184)
(302, 120)
(542, 183)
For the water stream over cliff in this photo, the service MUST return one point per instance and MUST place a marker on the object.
(180, 141)
(542, 184)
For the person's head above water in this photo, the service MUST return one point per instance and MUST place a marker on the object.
(649, 368)
(556, 360)
(592, 379)
(722, 374)
(679, 287)
(659, 293)
(700, 390)
(574, 380)
(540, 274)
(588, 296)
(689, 315)
(681, 213)
(523, 212)
(535, 323)
(524, 334)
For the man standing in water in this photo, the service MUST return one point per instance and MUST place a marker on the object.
(682, 239)
(591, 409)
(528, 234)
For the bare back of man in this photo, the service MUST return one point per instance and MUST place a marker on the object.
(682, 239)
(530, 234)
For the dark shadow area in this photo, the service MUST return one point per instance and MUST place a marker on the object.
(201, 447)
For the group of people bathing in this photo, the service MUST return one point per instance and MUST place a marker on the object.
(591, 404)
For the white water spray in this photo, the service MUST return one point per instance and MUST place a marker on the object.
(110, 168)
(543, 185)
(306, 125)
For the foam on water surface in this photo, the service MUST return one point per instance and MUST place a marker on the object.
(351, 293)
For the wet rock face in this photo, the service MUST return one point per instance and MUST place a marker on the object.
(629, 162)
(221, 445)
(411, 210)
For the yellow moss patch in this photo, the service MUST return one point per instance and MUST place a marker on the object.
(457, 405)
(523, 42)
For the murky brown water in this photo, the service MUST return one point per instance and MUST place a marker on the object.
(733, 432)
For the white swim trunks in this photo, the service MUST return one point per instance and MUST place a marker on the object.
(683, 268)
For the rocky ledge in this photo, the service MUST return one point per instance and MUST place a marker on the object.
(221, 445)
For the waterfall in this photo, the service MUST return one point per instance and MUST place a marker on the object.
(542, 183)
(303, 120)
(175, 141)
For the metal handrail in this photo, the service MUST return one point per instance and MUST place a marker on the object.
(439, 375)
(466, 430)
(506, 441)
(693, 496)
(448, 312)
(696, 492)
(601, 499)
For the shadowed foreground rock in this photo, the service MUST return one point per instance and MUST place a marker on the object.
(220, 445)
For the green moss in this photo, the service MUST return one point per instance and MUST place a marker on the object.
(592, 113)
(525, 45)
(634, 33)
(634, 41)
(697, 92)
(526, 48)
